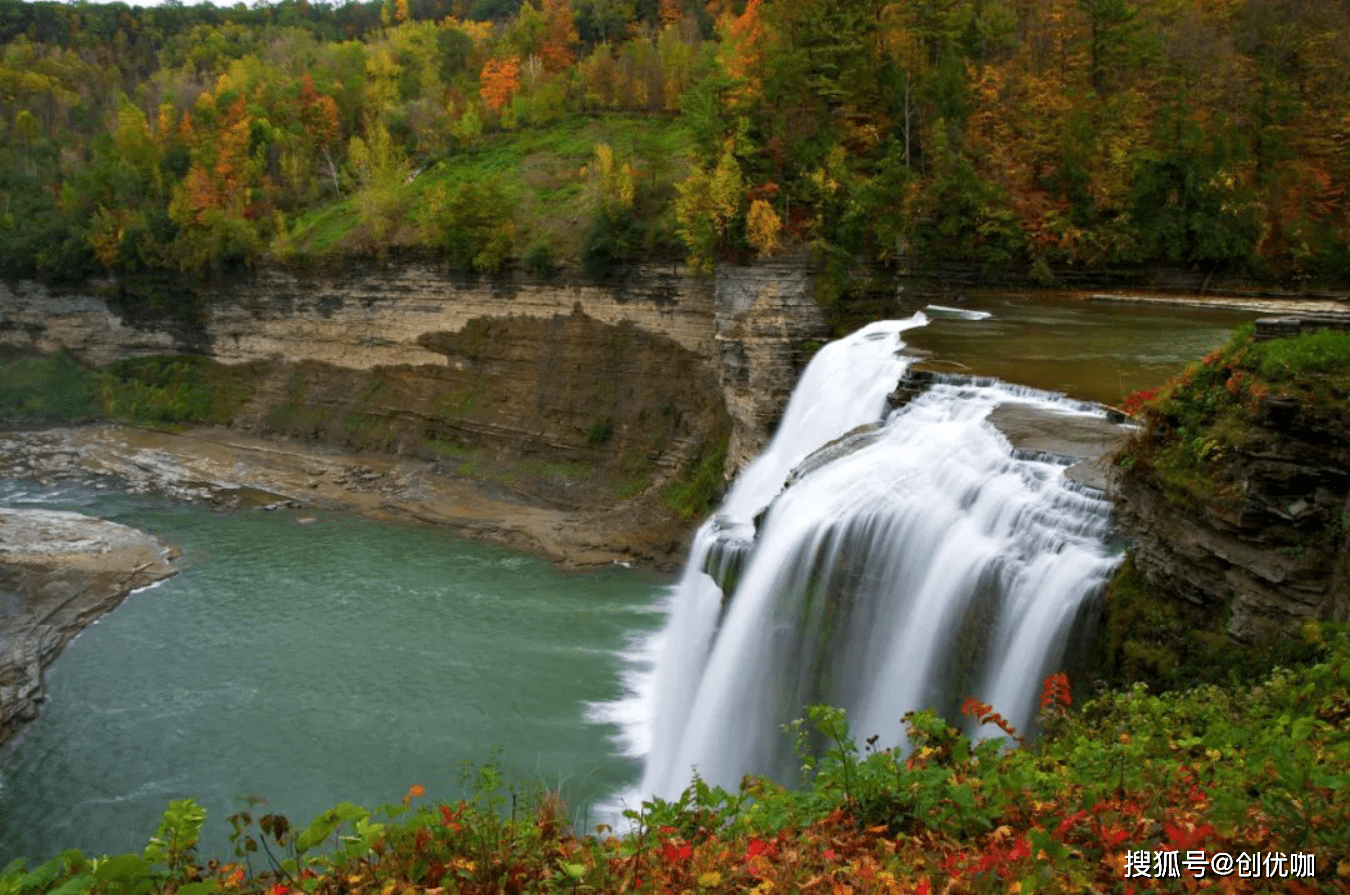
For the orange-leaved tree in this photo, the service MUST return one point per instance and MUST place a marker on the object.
(499, 82)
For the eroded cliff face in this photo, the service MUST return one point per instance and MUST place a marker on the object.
(634, 378)
(765, 321)
(1258, 566)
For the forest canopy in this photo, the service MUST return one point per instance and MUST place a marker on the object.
(1212, 135)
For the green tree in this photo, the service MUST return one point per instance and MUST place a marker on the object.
(381, 171)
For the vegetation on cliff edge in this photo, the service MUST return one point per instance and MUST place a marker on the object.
(1246, 442)
(1196, 423)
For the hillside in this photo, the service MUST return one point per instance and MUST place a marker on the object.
(1044, 138)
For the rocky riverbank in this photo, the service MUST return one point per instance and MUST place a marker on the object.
(229, 469)
(58, 573)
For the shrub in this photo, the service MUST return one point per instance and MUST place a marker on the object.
(474, 226)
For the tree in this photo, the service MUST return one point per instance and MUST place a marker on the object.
(381, 170)
(763, 227)
(561, 36)
(473, 226)
(500, 80)
(708, 202)
(1110, 33)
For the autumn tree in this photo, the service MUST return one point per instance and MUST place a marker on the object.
(381, 172)
(500, 79)
(557, 49)
(709, 201)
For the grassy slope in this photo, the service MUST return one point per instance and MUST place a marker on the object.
(541, 174)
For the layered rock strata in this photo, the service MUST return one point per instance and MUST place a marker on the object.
(1277, 556)
(58, 573)
(766, 319)
(639, 372)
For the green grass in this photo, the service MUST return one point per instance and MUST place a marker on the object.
(1323, 353)
(322, 230)
(48, 388)
(695, 493)
(1196, 422)
(539, 172)
(444, 449)
(558, 471)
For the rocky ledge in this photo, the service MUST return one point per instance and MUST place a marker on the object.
(230, 469)
(58, 573)
(1270, 560)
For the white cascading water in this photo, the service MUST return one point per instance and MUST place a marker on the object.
(926, 561)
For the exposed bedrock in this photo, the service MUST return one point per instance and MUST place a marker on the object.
(1278, 555)
(766, 316)
(58, 573)
(640, 372)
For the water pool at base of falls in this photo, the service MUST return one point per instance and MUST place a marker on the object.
(340, 660)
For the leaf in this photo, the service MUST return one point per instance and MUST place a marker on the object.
(122, 868)
(320, 828)
(77, 884)
(206, 887)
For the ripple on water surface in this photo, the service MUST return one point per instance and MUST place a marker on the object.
(311, 664)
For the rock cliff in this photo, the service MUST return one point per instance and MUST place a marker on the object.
(766, 319)
(59, 572)
(637, 377)
(1274, 559)
(1236, 495)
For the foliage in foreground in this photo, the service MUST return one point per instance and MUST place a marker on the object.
(1249, 772)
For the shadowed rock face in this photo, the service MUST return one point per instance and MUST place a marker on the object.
(1275, 558)
(58, 573)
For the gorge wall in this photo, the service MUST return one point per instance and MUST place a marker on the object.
(639, 376)
(1258, 568)
(1235, 497)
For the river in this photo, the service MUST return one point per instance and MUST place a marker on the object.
(307, 663)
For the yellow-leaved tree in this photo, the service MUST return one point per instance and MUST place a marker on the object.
(763, 227)
(381, 169)
(708, 202)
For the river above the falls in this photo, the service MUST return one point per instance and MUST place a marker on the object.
(346, 660)
(341, 659)
(1093, 350)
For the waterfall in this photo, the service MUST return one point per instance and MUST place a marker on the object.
(910, 563)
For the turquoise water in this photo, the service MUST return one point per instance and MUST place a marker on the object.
(307, 664)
